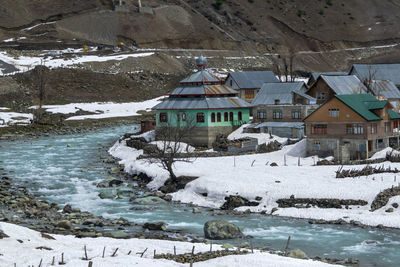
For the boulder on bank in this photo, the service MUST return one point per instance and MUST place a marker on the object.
(65, 224)
(157, 226)
(218, 229)
(233, 202)
(298, 254)
(150, 200)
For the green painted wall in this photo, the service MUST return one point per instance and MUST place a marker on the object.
(191, 116)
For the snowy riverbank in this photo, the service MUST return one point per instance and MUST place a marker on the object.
(27, 247)
(252, 176)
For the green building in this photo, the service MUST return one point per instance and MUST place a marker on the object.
(203, 101)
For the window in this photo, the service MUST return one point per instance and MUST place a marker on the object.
(296, 114)
(354, 129)
(230, 116)
(387, 127)
(321, 95)
(249, 94)
(219, 117)
(200, 117)
(373, 128)
(319, 129)
(277, 114)
(225, 116)
(333, 113)
(239, 116)
(213, 117)
(316, 146)
(163, 117)
(261, 113)
(230, 82)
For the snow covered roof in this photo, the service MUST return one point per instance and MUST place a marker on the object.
(253, 79)
(282, 91)
(175, 103)
(389, 72)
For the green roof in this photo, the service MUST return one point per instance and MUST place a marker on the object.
(363, 104)
(375, 104)
(393, 114)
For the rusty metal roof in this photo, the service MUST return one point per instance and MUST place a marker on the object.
(216, 89)
(174, 103)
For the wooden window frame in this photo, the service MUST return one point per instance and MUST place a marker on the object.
(163, 117)
(200, 117)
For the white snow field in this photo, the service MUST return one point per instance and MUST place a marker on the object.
(25, 63)
(218, 177)
(22, 248)
(103, 109)
(14, 118)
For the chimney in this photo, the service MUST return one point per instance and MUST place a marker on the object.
(277, 101)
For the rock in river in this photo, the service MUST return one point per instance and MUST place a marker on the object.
(157, 226)
(218, 229)
(151, 200)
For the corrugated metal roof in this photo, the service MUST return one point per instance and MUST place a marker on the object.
(217, 89)
(371, 105)
(297, 125)
(201, 103)
(393, 114)
(361, 104)
(385, 88)
(300, 93)
(202, 76)
(343, 85)
(253, 79)
(316, 75)
(389, 72)
(283, 91)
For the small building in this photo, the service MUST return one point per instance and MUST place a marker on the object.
(389, 72)
(315, 75)
(146, 126)
(351, 127)
(283, 106)
(326, 87)
(202, 100)
(281, 129)
(248, 83)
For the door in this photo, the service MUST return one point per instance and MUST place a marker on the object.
(370, 145)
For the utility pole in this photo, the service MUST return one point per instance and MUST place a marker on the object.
(140, 3)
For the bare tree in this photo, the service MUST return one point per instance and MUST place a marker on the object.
(171, 147)
(369, 79)
(283, 66)
(40, 81)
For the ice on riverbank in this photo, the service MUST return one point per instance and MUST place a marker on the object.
(27, 247)
(14, 118)
(251, 176)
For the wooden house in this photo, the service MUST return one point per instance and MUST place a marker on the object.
(351, 127)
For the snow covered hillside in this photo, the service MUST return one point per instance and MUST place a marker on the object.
(252, 176)
(25, 247)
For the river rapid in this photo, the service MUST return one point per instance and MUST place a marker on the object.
(65, 169)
